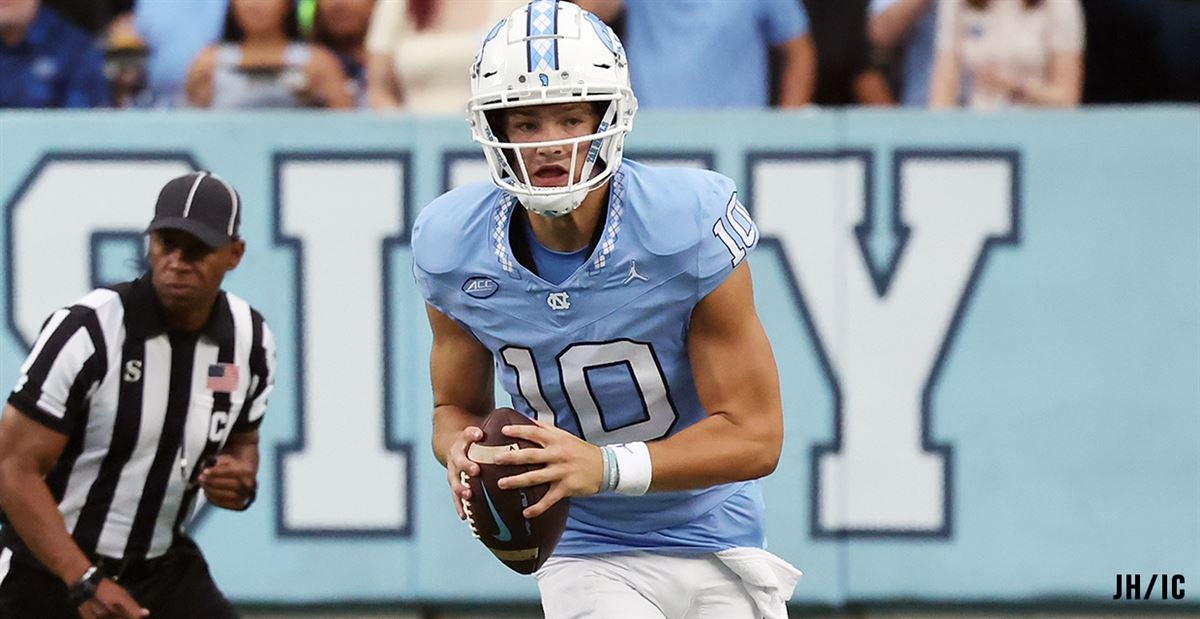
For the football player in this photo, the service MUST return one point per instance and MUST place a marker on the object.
(614, 301)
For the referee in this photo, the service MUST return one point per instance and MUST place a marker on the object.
(133, 400)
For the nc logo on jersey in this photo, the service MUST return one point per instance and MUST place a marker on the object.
(558, 301)
(480, 287)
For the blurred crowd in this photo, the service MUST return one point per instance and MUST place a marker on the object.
(413, 55)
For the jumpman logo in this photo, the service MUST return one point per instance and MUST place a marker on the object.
(633, 274)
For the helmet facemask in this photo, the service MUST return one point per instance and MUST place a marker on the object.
(511, 172)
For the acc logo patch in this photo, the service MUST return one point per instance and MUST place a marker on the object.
(480, 287)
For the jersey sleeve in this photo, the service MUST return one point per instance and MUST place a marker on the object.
(262, 376)
(60, 372)
(430, 289)
(87, 87)
(727, 236)
(438, 245)
(784, 20)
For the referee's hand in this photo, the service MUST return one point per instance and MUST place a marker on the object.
(228, 482)
(111, 601)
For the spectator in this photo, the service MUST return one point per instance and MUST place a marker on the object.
(341, 25)
(46, 62)
(175, 32)
(420, 52)
(996, 53)
(261, 63)
(846, 73)
(903, 32)
(728, 43)
(125, 57)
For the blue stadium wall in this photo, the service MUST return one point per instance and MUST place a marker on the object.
(988, 330)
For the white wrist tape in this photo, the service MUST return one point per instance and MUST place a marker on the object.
(633, 468)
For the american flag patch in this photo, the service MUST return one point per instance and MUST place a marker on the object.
(222, 377)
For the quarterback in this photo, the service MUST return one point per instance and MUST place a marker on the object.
(613, 302)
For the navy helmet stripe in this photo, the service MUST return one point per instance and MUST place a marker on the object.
(554, 41)
(528, 41)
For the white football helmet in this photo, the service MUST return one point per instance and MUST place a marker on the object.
(549, 52)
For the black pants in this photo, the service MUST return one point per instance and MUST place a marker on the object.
(177, 585)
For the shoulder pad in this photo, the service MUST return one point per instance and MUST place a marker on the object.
(670, 205)
(440, 234)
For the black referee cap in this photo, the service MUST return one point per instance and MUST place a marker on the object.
(201, 204)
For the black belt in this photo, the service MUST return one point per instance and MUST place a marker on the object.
(129, 569)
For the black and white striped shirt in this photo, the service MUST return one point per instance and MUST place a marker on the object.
(142, 408)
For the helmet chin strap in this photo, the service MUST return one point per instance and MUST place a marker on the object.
(555, 205)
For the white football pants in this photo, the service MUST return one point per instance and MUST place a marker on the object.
(738, 583)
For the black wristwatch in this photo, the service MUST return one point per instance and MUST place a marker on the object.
(85, 588)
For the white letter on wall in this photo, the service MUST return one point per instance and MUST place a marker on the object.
(343, 477)
(883, 474)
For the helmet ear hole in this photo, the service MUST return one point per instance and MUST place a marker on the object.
(599, 108)
(495, 120)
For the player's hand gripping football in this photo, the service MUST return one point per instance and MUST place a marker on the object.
(458, 464)
(572, 466)
(228, 482)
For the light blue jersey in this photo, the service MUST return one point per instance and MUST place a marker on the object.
(604, 355)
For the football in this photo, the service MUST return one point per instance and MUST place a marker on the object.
(495, 515)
